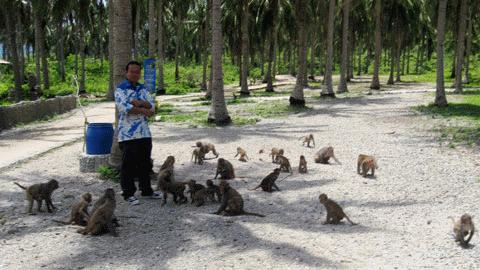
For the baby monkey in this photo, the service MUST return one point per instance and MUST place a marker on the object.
(308, 139)
(302, 166)
(268, 183)
(275, 152)
(243, 154)
(334, 211)
(324, 154)
(39, 193)
(366, 163)
(462, 228)
(79, 213)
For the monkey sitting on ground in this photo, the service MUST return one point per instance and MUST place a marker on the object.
(198, 155)
(213, 190)
(102, 217)
(174, 188)
(334, 211)
(79, 214)
(366, 163)
(200, 196)
(232, 202)
(275, 152)
(39, 193)
(324, 154)
(307, 140)
(225, 169)
(269, 181)
(462, 228)
(194, 187)
(243, 154)
(302, 166)
(207, 147)
(284, 163)
(168, 163)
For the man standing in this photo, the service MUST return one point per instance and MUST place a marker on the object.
(134, 105)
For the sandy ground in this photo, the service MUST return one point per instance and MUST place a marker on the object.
(402, 212)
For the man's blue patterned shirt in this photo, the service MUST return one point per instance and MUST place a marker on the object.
(131, 126)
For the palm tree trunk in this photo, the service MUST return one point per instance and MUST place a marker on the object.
(12, 40)
(19, 43)
(152, 29)
(136, 35)
(408, 60)
(342, 86)
(82, 60)
(351, 59)
(178, 42)
(297, 97)
(404, 52)
(38, 47)
(111, 38)
(245, 42)
(359, 71)
(378, 45)
(44, 55)
(312, 56)
(204, 45)
(398, 56)
(328, 90)
(468, 48)
(60, 52)
(460, 46)
(440, 97)
(122, 47)
(392, 57)
(161, 55)
(218, 113)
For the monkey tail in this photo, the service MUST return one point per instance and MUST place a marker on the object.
(61, 222)
(252, 214)
(351, 222)
(285, 177)
(255, 188)
(22, 187)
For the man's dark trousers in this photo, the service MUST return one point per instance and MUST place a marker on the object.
(136, 163)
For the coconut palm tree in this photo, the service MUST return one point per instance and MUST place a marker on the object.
(297, 98)
(328, 89)
(152, 29)
(342, 86)
(161, 54)
(378, 45)
(244, 48)
(122, 48)
(9, 13)
(440, 97)
(218, 113)
(460, 53)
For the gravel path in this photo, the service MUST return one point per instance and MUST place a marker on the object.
(402, 212)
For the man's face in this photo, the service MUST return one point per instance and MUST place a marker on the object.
(133, 73)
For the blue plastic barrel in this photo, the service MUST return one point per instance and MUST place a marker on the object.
(99, 138)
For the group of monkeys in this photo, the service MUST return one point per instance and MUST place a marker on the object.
(102, 219)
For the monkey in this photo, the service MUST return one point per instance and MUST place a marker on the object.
(174, 188)
(225, 169)
(275, 152)
(334, 211)
(102, 218)
(207, 147)
(243, 154)
(39, 193)
(302, 166)
(199, 197)
(269, 181)
(199, 156)
(213, 190)
(284, 163)
(261, 151)
(366, 163)
(194, 187)
(165, 175)
(232, 202)
(307, 140)
(168, 163)
(79, 213)
(463, 227)
(324, 154)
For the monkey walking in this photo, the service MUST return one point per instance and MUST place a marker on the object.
(224, 169)
(102, 217)
(462, 228)
(198, 156)
(307, 140)
(79, 213)
(39, 193)
(206, 148)
(243, 154)
(302, 166)
(366, 163)
(269, 181)
(232, 202)
(334, 211)
(324, 154)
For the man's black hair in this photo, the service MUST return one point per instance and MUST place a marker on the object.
(133, 63)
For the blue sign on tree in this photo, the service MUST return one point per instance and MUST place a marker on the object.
(149, 74)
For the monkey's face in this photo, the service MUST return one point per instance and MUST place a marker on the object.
(110, 193)
(199, 144)
(323, 198)
(221, 161)
(171, 159)
(280, 151)
(87, 197)
(466, 219)
(53, 184)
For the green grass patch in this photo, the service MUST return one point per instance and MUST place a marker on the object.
(263, 93)
(273, 109)
(109, 174)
